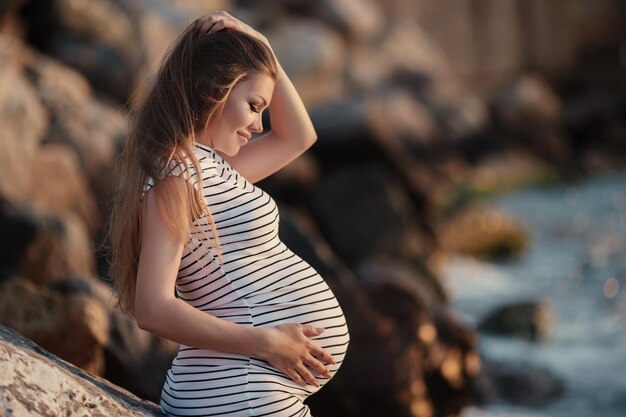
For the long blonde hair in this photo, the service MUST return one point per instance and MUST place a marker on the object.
(189, 92)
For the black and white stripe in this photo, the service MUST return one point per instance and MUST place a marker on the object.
(260, 283)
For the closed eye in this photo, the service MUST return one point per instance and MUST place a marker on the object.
(254, 108)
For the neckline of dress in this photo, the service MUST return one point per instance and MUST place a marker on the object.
(211, 152)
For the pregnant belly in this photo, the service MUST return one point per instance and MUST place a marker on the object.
(317, 308)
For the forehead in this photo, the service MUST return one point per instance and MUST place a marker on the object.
(256, 83)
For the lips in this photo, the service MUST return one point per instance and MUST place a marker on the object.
(246, 136)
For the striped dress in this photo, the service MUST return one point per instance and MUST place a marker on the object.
(260, 283)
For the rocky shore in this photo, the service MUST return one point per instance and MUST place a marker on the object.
(421, 108)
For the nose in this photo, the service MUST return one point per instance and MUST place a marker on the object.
(257, 125)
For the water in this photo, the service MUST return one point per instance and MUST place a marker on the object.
(577, 262)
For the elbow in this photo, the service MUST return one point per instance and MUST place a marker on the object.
(143, 323)
(146, 320)
(311, 138)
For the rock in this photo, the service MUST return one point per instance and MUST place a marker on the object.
(527, 103)
(134, 358)
(90, 127)
(393, 127)
(364, 213)
(437, 358)
(483, 233)
(74, 327)
(517, 383)
(7, 9)
(58, 185)
(23, 120)
(412, 276)
(503, 172)
(531, 320)
(404, 50)
(313, 57)
(18, 227)
(358, 20)
(98, 38)
(528, 113)
(299, 232)
(593, 118)
(294, 182)
(61, 248)
(37, 383)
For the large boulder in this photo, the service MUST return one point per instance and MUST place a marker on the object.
(61, 248)
(92, 128)
(134, 358)
(363, 213)
(37, 383)
(23, 119)
(58, 185)
(18, 227)
(73, 326)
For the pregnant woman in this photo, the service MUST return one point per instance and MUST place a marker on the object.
(195, 249)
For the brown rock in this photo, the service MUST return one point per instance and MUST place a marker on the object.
(58, 186)
(93, 129)
(74, 327)
(37, 383)
(61, 248)
(134, 358)
(23, 120)
(484, 233)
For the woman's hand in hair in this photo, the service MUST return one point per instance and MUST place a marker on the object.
(216, 21)
(288, 348)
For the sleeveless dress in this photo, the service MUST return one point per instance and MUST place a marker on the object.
(260, 283)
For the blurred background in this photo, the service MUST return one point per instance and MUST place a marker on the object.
(465, 200)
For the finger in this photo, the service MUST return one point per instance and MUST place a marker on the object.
(219, 25)
(295, 376)
(209, 22)
(310, 331)
(317, 366)
(308, 376)
(321, 354)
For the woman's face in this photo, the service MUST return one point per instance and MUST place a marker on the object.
(242, 114)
